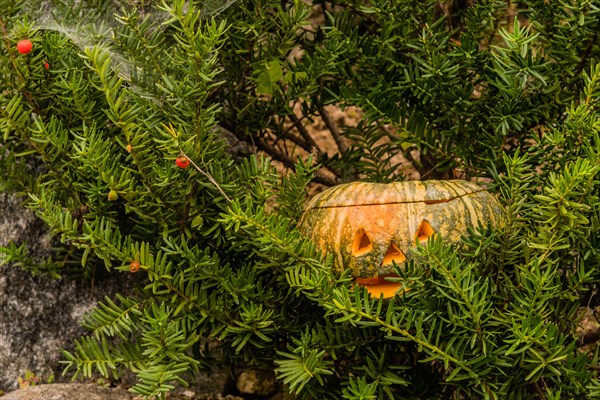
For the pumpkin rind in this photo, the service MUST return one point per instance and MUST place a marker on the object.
(392, 216)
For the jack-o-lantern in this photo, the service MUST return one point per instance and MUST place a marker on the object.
(369, 226)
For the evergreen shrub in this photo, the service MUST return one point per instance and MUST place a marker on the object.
(93, 118)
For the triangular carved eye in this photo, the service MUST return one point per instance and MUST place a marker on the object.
(424, 232)
(393, 254)
(362, 244)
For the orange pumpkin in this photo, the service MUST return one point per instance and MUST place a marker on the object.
(369, 226)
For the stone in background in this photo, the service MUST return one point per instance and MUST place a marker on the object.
(39, 315)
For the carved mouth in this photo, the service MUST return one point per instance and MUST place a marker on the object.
(378, 285)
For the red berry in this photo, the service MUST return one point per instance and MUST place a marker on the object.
(46, 65)
(134, 266)
(182, 162)
(24, 46)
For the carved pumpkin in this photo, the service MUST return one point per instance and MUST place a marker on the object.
(369, 226)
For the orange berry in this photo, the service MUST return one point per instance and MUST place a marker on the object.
(128, 148)
(134, 266)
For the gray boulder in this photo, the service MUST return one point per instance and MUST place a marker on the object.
(39, 315)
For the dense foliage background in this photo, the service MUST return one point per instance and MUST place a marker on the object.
(504, 93)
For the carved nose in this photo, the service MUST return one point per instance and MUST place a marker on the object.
(393, 254)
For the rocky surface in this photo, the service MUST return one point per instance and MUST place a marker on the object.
(39, 315)
(69, 392)
(79, 391)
